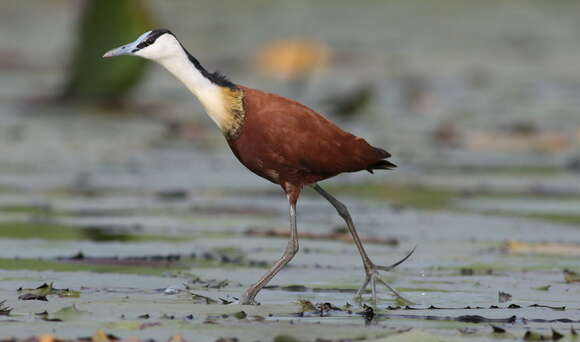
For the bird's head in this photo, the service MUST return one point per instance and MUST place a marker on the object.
(155, 45)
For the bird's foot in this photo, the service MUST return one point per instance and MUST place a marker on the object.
(246, 300)
(373, 276)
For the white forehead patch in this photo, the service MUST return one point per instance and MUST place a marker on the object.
(143, 36)
(164, 46)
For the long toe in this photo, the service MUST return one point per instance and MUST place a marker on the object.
(363, 287)
(372, 276)
(374, 288)
(392, 266)
(405, 301)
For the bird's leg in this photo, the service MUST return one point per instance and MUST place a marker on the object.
(371, 270)
(290, 251)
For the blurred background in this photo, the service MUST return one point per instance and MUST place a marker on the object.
(478, 101)
(443, 86)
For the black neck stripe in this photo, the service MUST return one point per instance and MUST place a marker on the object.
(215, 77)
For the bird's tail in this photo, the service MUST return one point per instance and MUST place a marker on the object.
(381, 165)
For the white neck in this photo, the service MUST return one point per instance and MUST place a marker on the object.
(209, 94)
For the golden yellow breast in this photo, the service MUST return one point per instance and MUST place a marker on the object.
(234, 103)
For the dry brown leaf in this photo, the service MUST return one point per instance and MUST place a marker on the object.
(553, 248)
(176, 338)
(46, 338)
(542, 142)
(100, 336)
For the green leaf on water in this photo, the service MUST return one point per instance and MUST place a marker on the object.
(4, 310)
(416, 335)
(43, 290)
(542, 288)
(403, 302)
(571, 276)
(199, 299)
(70, 313)
(414, 196)
(306, 306)
(124, 325)
(48, 289)
(67, 266)
(59, 232)
(534, 336)
(240, 315)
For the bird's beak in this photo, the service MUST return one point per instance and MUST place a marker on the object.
(122, 50)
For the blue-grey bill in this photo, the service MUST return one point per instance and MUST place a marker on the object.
(121, 50)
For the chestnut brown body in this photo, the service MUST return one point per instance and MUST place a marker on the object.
(292, 145)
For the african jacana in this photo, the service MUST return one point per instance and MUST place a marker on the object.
(278, 139)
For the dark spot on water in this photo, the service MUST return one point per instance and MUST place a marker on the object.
(172, 195)
(240, 315)
(481, 319)
(556, 335)
(32, 296)
(4, 310)
(110, 233)
(504, 297)
(368, 313)
(51, 319)
(497, 330)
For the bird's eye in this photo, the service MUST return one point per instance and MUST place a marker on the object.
(146, 43)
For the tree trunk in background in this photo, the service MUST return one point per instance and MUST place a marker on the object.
(106, 24)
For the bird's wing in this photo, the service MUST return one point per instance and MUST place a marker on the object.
(304, 139)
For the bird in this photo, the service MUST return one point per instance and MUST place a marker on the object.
(278, 139)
